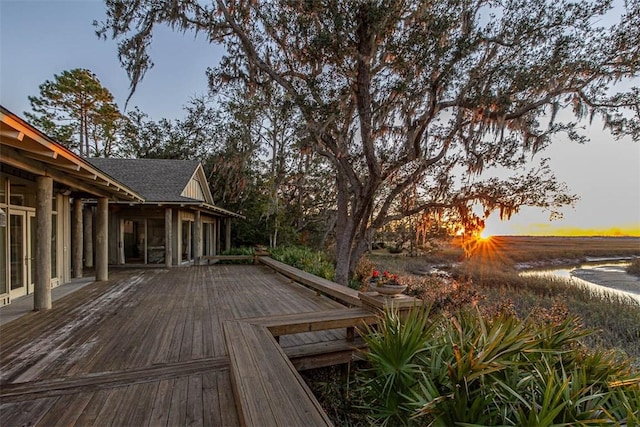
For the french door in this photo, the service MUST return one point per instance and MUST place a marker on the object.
(22, 227)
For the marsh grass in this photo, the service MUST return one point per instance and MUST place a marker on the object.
(517, 249)
(614, 317)
(634, 267)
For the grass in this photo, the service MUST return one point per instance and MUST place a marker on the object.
(522, 249)
(634, 267)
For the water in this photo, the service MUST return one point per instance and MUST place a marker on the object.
(608, 277)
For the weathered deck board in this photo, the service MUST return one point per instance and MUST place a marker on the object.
(25, 413)
(144, 348)
(92, 382)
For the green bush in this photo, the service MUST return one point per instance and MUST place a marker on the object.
(394, 346)
(469, 369)
(242, 250)
(305, 259)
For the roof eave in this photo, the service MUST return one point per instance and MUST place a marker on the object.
(54, 155)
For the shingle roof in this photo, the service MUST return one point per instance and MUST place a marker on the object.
(157, 180)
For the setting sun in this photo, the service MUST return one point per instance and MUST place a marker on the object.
(485, 235)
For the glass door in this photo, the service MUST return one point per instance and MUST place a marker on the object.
(31, 252)
(18, 254)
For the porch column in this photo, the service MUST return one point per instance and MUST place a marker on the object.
(214, 237)
(227, 237)
(102, 239)
(218, 247)
(168, 237)
(42, 284)
(76, 238)
(197, 235)
(87, 235)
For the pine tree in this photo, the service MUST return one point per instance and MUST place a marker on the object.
(77, 111)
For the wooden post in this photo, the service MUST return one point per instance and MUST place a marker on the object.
(102, 239)
(227, 240)
(76, 237)
(216, 237)
(168, 237)
(88, 236)
(42, 288)
(197, 235)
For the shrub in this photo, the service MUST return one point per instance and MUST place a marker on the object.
(241, 250)
(471, 369)
(394, 346)
(615, 317)
(362, 274)
(305, 259)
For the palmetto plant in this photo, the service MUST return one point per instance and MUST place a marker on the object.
(467, 369)
(394, 347)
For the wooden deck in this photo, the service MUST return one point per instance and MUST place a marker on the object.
(145, 348)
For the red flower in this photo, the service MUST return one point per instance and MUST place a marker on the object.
(386, 274)
(375, 274)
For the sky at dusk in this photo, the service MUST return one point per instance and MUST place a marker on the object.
(41, 38)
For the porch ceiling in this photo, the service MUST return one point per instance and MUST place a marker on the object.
(25, 147)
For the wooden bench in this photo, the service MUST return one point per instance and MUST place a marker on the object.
(327, 287)
(266, 384)
(285, 324)
(267, 388)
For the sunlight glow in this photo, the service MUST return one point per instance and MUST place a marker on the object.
(485, 235)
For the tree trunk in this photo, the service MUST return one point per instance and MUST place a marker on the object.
(344, 234)
(81, 148)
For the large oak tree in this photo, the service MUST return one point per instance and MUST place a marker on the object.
(417, 98)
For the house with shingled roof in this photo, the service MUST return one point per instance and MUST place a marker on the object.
(176, 223)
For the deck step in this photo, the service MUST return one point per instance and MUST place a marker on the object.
(327, 353)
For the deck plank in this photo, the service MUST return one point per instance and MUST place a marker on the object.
(25, 413)
(194, 415)
(161, 403)
(93, 408)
